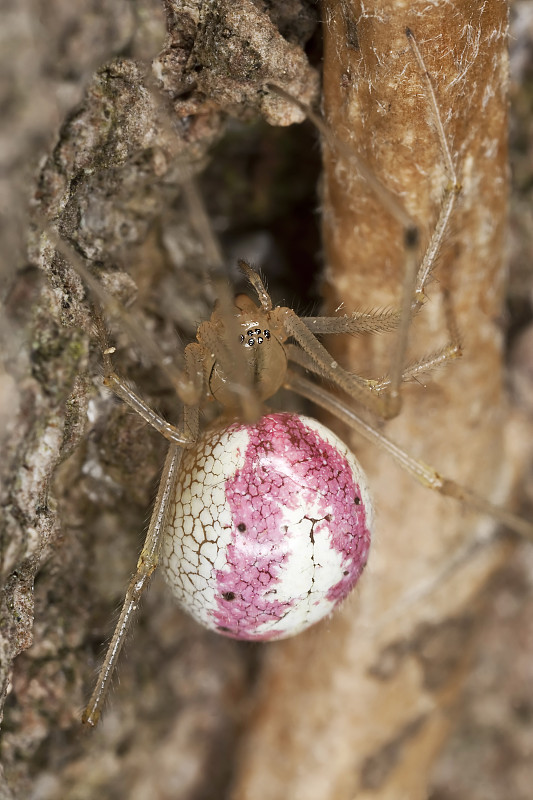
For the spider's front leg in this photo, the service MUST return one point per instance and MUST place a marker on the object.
(192, 380)
(313, 356)
(383, 397)
(148, 560)
(146, 565)
(417, 275)
(310, 355)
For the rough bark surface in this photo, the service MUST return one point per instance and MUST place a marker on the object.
(108, 104)
(103, 166)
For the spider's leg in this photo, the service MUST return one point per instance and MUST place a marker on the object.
(228, 352)
(177, 376)
(416, 277)
(420, 471)
(378, 322)
(185, 435)
(145, 567)
(451, 191)
(324, 364)
(320, 361)
(225, 350)
(412, 372)
(358, 322)
(385, 196)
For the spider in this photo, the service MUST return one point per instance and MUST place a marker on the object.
(242, 356)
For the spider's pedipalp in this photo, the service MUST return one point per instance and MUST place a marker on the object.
(255, 281)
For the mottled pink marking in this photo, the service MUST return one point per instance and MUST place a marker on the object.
(286, 464)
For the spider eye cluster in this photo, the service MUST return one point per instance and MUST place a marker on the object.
(255, 335)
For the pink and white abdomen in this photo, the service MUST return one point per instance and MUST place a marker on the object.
(271, 528)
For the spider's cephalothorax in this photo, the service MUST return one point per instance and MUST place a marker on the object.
(253, 345)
